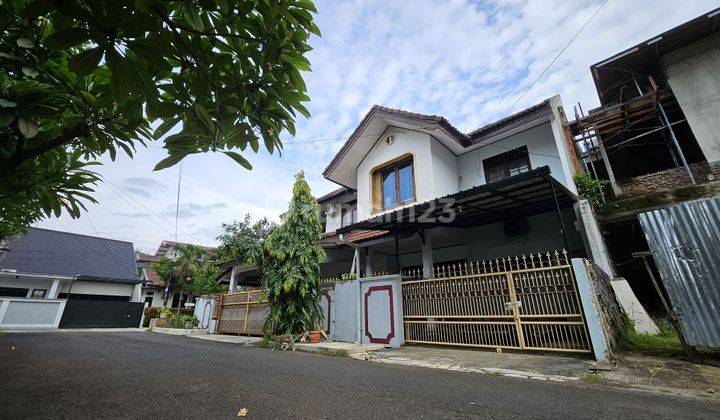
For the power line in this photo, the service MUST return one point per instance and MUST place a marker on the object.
(556, 57)
(120, 190)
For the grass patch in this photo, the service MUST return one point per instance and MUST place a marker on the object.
(592, 378)
(334, 352)
(666, 343)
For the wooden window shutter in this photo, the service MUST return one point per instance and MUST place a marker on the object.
(377, 192)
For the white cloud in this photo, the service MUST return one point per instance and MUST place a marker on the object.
(467, 61)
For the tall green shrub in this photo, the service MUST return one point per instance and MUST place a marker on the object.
(292, 257)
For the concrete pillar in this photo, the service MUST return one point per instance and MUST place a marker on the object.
(427, 255)
(54, 289)
(608, 167)
(592, 312)
(136, 293)
(594, 241)
(233, 279)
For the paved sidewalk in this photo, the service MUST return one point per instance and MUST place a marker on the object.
(523, 365)
(71, 330)
(350, 349)
(657, 374)
(333, 347)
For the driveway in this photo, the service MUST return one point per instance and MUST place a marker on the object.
(142, 375)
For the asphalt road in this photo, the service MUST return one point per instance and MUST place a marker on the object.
(143, 375)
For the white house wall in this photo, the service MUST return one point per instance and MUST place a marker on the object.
(444, 169)
(693, 76)
(542, 148)
(406, 141)
(94, 288)
(27, 283)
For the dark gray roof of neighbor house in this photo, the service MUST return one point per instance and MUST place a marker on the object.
(51, 252)
(334, 193)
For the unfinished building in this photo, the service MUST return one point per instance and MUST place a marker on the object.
(655, 136)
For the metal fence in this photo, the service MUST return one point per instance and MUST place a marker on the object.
(523, 302)
(241, 313)
(685, 242)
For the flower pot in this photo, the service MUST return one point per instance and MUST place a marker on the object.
(314, 336)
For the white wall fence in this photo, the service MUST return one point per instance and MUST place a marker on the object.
(369, 311)
(204, 312)
(19, 313)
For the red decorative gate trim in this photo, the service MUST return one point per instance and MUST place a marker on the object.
(390, 336)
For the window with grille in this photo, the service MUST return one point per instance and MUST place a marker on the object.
(349, 216)
(505, 165)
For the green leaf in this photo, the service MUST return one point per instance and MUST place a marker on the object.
(121, 83)
(27, 128)
(67, 38)
(7, 104)
(85, 62)
(297, 60)
(25, 43)
(205, 117)
(239, 159)
(29, 71)
(170, 161)
(192, 17)
(6, 117)
(165, 127)
(10, 56)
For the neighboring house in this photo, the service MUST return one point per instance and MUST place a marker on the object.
(44, 267)
(155, 291)
(655, 138)
(397, 163)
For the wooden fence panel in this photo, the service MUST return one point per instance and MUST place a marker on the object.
(242, 313)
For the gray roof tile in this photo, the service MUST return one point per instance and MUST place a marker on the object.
(51, 252)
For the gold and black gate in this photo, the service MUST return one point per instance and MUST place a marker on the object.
(525, 302)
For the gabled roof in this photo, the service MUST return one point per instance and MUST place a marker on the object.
(459, 142)
(51, 252)
(334, 193)
(165, 246)
(477, 136)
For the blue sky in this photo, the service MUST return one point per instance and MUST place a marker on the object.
(467, 61)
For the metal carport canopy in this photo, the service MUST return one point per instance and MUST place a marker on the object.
(522, 195)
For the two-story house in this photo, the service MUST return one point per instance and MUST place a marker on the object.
(417, 192)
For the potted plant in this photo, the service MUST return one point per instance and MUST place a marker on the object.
(314, 336)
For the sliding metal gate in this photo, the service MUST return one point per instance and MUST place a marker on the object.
(241, 313)
(529, 302)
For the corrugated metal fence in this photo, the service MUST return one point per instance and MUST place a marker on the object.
(685, 242)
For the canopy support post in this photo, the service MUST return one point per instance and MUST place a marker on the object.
(559, 214)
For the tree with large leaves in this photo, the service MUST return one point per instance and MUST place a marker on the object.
(242, 240)
(85, 78)
(291, 266)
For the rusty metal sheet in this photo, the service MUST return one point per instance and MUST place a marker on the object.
(685, 242)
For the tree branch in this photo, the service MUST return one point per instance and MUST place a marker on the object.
(25, 154)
